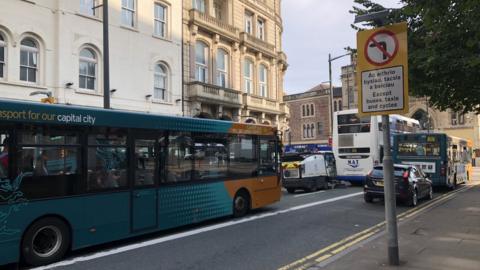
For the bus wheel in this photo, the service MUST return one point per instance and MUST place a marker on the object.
(241, 203)
(46, 241)
(291, 190)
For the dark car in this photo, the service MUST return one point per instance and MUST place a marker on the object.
(411, 184)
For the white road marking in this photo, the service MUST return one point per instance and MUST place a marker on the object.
(189, 233)
(306, 194)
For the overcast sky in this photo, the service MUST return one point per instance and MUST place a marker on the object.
(312, 30)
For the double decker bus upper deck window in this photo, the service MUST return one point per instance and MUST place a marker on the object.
(351, 123)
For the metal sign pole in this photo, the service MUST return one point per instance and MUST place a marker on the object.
(389, 190)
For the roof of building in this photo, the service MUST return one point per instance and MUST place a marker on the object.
(322, 86)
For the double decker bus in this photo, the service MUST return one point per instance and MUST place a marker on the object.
(73, 177)
(447, 159)
(358, 142)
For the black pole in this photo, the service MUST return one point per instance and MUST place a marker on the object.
(106, 58)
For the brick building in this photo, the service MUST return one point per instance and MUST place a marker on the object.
(309, 116)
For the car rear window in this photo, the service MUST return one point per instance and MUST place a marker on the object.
(378, 172)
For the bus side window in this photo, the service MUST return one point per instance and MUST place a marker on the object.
(242, 155)
(267, 156)
(48, 163)
(4, 160)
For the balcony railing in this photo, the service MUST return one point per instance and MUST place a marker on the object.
(212, 93)
(213, 24)
(257, 43)
(260, 103)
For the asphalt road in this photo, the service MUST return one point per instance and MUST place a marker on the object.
(270, 238)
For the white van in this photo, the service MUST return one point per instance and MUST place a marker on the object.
(308, 171)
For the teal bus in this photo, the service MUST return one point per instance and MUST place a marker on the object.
(73, 177)
(445, 158)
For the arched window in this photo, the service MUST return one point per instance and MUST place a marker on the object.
(335, 106)
(201, 62)
(303, 110)
(160, 82)
(3, 47)
(222, 68)
(87, 73)
(28, 60)
(248, 76)
(339, 105)
(308, 110)
(304, 131)
(262, 80)
(312, 130)
(312, 110)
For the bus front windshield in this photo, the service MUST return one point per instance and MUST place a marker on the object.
(419, 149)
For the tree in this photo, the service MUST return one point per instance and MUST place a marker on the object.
(443, 49)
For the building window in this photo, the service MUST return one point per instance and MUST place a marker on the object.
(3, 47)
(457, 118)
(261, 29)
(312, 130)
(201, 62)
(160, 82)
(28, 60)
(248, 74)
(88, 7)
(160, 20)
(222, 68)
(319, 128)
(199, 5)
(218, 7)
(308, 110)
(128, 13)
(262, 81)
(87, 69)
(303, 111)
(339, 105)
(335, 106)
(248, 22)
(312, 110)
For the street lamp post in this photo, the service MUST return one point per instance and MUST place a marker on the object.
(330, 60)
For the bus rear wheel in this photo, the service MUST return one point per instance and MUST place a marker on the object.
(45, 241)
(241, 204)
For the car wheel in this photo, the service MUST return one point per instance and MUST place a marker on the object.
(45, 241)
(414, 198)
(241, 204)
(430, 193)
(367, 198)
(291, 190)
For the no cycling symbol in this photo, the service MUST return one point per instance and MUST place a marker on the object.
(381, 47)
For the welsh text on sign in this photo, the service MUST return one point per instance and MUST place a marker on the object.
(382, 89)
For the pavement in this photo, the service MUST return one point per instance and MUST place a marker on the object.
(445, 235)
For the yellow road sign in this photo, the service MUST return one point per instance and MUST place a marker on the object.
(382, 70)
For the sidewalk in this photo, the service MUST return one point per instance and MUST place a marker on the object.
(444, 237)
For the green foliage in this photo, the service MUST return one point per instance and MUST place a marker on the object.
(444, 49)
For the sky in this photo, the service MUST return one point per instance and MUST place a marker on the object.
(312, 30)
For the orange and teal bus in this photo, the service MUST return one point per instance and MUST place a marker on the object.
(73, 177)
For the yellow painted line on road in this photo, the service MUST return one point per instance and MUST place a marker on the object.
(338, 247)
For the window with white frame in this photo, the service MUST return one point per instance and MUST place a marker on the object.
(199, 5)
(222, 68)
(248, 76)
(201, 62)
(28, 60)
(262, 80)
(87, 71)
(248, 22)
(160, 82)
(261, 29)
(3, 47)
(161, 18)
(89, 7)
(128, 13)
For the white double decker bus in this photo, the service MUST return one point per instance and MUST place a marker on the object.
(358, 142)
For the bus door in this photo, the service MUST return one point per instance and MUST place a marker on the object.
(267, 173)
(144, 192)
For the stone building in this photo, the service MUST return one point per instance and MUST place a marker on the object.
(57, 46)
(349, 84)
(234, 65)
(309, 116)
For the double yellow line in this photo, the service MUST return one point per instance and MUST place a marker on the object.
(336, 248)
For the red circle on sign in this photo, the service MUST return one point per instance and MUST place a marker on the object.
(370, 39)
